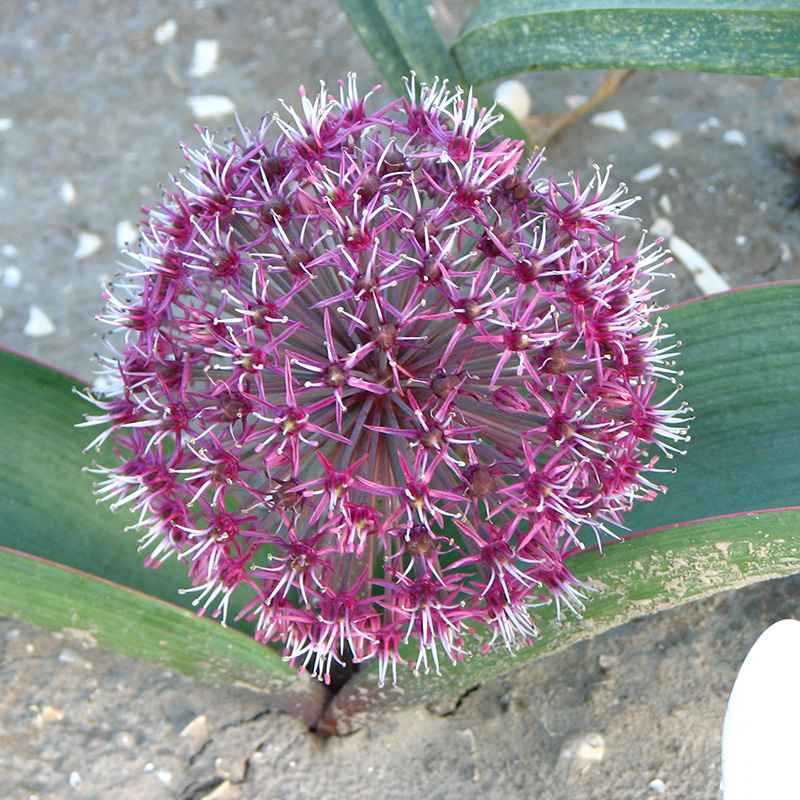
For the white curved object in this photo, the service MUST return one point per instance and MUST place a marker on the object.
(761, 733)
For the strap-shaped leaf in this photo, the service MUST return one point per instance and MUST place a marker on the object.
(645, 574)
(505, 37)
(138, 625)
(401, 38)
(47, 508)
(741, 359)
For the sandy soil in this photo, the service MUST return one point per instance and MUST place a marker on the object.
(93, 100)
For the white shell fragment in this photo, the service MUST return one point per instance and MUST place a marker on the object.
(583, 750)
(760, 740)
(515, 97)
(127, 233)
(12, 277)
(88, 245)
(613, 120)
(734, 136)
(665, 138)
(648, 173)
(66, 193)
(707, 279)
(38, 324)
(165, 32)
(574, 101)
(205, 59)
(210, 105)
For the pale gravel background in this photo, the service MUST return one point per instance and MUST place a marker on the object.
(89, 98)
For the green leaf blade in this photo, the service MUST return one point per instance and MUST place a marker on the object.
(401, 38)
(710, 532)
(505, 37)
(140, 626)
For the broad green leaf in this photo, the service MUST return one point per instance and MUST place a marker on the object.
(645, 574)
(741, 357)
(47, 508)
(126, 621)
(401, 38)
(505, 37)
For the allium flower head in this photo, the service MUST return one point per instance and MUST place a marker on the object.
(375, 376)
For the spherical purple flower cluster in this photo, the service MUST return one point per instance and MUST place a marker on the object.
(376, 375)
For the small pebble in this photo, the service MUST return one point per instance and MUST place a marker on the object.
(648, 173)
(127, 233)
(164, 775)
(734, 137)
(515, 97)
(707, 279)
(205, 58)
(574, 101)
(6, 123)
(584, 750)
(8, 250)
(88, 245)
(657, 785)
(11, 277)
(662, 227)
(665, 204)
(740, 239)
(165, 32)
(67, 193)
(786, 252)
(75, 779)
(48, 714)
(210, 105)
(665, 138)
(38, 324)
(612, 120)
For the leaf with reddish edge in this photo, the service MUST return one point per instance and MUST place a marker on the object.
(740, 356)
(60, 598)
(646, 573)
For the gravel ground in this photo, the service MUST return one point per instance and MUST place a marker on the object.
(94, 97)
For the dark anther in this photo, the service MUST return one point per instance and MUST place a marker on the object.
(554, 360)
(526, 270)
(297, 259)
(385, 336)
(336, 376)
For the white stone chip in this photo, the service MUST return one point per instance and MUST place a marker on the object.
(648, 173)
(583, 750)
(88, 245)
(75, 779)
(707, 279)
(515, 97)
(38, 324)
(165, 32)
(205, 59)
(734, 136)
(657, 785)
(665, 138)
(12, 277)
(8, 250)
(66, 193)
(574, 101)
(6, 123)
(662, 227)
(612, 120)
(127, 233)
(210, 105)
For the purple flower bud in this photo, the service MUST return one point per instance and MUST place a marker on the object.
(373, 375)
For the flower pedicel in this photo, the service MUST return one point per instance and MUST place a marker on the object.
(375, 376)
